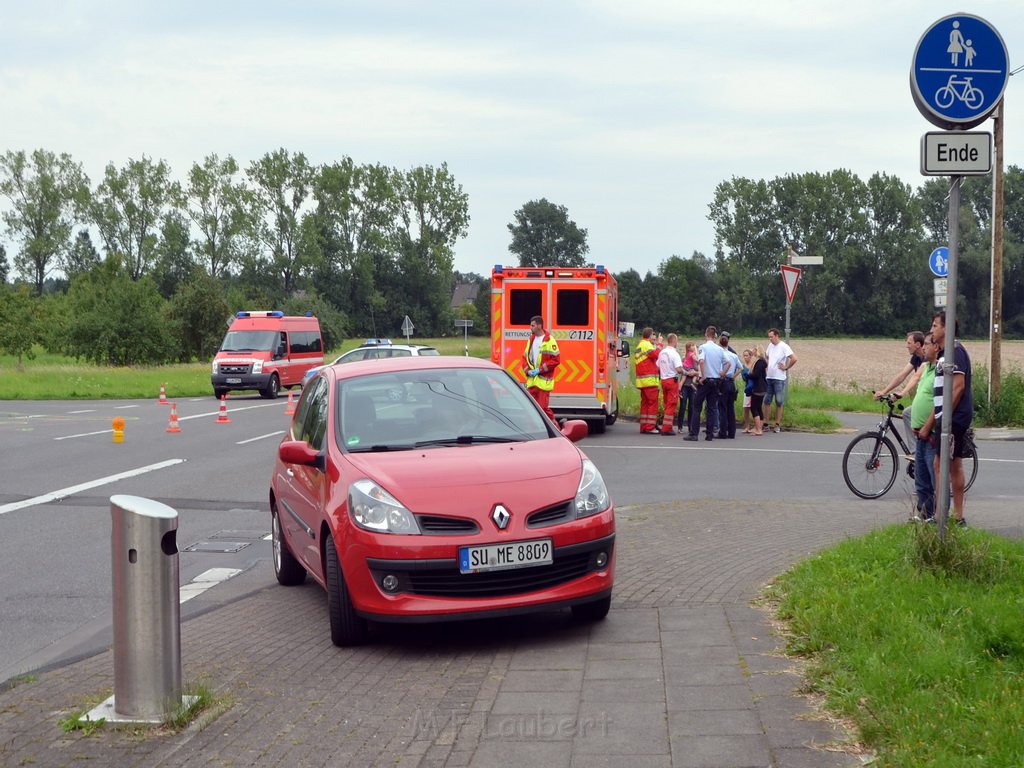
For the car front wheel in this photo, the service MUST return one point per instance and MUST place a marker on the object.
(347, 627)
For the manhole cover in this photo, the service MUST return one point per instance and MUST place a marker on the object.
(217, 546)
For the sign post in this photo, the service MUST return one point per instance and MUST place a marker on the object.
(957, 78)
(465, 326)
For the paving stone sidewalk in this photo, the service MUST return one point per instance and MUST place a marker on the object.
(683, 672)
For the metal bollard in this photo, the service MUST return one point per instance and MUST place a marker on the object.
(147, 613)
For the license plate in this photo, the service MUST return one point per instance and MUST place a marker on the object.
(499, 557)
(234, 380)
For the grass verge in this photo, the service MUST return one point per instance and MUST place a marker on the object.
(918, 641)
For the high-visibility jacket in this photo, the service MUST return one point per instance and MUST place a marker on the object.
(549, 360)
(646, 359)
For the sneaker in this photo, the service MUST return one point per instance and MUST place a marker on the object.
(776, 429)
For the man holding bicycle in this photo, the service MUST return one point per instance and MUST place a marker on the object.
(915, 346)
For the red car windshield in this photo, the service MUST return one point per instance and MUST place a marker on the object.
(433, 408)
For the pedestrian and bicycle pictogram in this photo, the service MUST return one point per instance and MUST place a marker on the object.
(959, 71)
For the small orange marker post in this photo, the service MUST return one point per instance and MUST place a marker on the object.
(118, 425)
(172, 425)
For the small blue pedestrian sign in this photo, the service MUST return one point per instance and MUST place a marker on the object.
(939, 262)
(959, 72)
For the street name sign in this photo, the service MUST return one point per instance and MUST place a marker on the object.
(956, 153)
(959, 71)
(938, 261)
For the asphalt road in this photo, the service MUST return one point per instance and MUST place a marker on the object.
(60, 467)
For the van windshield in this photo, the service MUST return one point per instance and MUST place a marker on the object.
(249, 341)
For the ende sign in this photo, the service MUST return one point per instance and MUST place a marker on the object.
(956, 153)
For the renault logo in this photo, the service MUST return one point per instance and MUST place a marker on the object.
(500, 516)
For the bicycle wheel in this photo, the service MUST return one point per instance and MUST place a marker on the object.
(944, 97)
(970, 466)
(870, 464)
(974, 97)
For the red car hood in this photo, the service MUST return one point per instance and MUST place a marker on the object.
(537, 472)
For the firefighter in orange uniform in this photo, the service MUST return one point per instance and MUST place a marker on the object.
(648, 381)
(540, 360)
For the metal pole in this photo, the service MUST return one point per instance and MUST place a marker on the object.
(996, 300)
(789, 263)
(946, 443)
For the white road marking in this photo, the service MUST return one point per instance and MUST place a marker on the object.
(71, 490)
(205, 580)
(261, 437)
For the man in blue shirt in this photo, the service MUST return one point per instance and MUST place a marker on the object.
(710, 364)
(962, 401)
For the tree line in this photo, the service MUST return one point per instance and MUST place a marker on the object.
(364, 245)
(874, 238)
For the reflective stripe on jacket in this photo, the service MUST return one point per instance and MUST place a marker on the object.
(549, 360)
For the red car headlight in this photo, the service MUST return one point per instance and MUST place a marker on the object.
(592, 495)
(375, 509)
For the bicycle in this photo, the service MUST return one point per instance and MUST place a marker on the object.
(871, 462)
(967, 93)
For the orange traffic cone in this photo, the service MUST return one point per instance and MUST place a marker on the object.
(163, 396)
(172, 425)
(291, 404)
(222, 417)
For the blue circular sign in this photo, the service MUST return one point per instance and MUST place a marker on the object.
(959, 72)
(939, 262)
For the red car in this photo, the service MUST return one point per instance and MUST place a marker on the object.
(434, 488)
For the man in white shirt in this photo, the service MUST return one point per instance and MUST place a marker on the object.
(780, 359)
(670, 366)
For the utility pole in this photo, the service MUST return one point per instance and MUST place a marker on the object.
(995, 334)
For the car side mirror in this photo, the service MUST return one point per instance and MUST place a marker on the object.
(303, 454)
(575, 429)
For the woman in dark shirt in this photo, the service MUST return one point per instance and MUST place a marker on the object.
(758, 371)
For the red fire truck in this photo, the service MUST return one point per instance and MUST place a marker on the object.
(580, 307)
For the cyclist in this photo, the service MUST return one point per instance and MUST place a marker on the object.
(915, 345)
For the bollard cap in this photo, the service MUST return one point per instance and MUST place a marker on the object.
(142, 506)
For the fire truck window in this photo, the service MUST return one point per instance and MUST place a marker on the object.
(524, 303)
(572, 307)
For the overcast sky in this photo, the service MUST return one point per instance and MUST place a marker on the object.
(627, 113)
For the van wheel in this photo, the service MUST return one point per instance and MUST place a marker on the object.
(273, 387)
(613, 416)
(219, 393)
